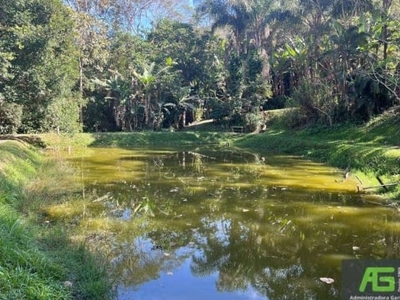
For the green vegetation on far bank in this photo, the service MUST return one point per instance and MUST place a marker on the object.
(368, 150)
(138, 139)
(38, 260)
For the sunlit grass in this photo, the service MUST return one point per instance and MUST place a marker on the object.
(63, 141)
(371, 148)
(65, 211)
(135, 139)
(37, 257)
(25, 272)
(98, 224)
(282, 224)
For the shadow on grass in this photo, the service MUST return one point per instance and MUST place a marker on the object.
(30, 139)
(37, 258)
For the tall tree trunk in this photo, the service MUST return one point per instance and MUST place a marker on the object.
(386, 5)
(147, 110)
(80, 91)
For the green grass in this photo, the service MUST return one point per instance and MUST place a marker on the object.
(25, 271)
(369, 150)
(38, 258)
(137, 139)
(67, 140)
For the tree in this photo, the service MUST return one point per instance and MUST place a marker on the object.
(384, 38)
(135, 95)
(335, 51)
(133, 16)
(193, 77)
(92, 46)
(147, 85)
(37, 37)
(242, 23)
(10, 117)
(119, 91)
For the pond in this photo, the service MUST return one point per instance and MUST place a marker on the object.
(222, 223)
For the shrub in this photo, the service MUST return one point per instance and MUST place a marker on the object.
(10, 117)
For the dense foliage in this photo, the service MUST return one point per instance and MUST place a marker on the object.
(115, 65)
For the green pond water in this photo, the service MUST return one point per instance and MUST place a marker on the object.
(223, 224)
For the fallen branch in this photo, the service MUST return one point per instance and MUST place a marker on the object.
(200, 155)
(378, 186)
(381, 182)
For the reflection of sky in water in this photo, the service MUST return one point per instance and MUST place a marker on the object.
(226, 221)
(182, 285)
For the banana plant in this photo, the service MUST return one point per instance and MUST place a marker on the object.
(119, 90)
(146, 85)
(185, 104)
(289, 63)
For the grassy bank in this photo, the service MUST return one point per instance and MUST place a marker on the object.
(368, 150)
(137, 139)
(37, 258)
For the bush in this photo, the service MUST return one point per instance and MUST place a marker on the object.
(218, 109)
(294, 115)
(10, 117)
(316, 102)
(254, 120)
(64, 115)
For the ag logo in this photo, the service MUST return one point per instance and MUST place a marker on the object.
(381, 279)
(376, 278)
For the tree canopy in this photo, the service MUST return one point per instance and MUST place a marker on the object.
(132, 65)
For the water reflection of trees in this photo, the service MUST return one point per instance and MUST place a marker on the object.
(280, 262)
(251, 233)
(139, 260)
(278, 267)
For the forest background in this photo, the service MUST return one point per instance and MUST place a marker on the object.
(119, 65)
